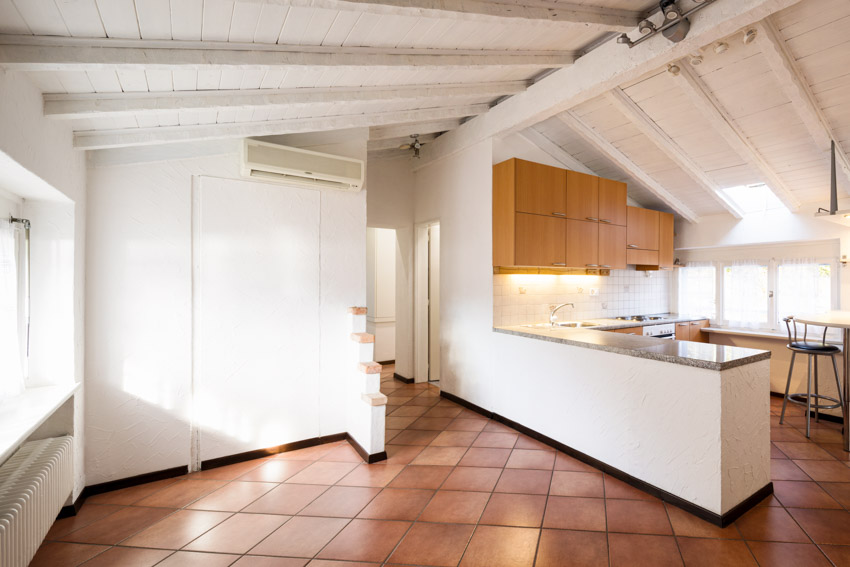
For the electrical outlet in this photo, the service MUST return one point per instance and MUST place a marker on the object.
(522, 290)
(594, 291)
(604, 306)
(579, 290)
(626, 288)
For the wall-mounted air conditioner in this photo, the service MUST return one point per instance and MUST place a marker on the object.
(293, 166)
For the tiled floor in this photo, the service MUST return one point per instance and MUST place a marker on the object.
(457, 489)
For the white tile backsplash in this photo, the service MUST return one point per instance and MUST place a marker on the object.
(624, 292)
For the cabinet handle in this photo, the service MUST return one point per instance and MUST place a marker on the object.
(608, 221)
(558, 264)
(683, 324)
(591, 219)
(560, 214)
(592, 265)
(631, 246)
(604, 266)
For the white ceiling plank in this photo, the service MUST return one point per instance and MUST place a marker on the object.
(554, 150)
(270, 23)
(82, 18)
(601, 70)
(133, 81)
(592, 137)
(216, 21)
(184, 80)
(209, 79)
(404, 130)
(149, 136)
(104, 81)
(75, 82)
(187, 19)
(159, 81)
(11, 21)
(341, 28)
(244, 21)
(230, 79)
(294, 26)
(42, 17)
(119, 18)
(320, 25)
(724, 125)
(154, 18)
(50, 53)
(71, 107)
(671, 149)
(797, 89)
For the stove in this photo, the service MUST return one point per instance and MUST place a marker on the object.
(639, 318)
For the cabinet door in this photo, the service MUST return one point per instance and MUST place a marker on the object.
(582, 244)
(612, 202)
(683, 331)
(642, 227)
(630, 331)
(540, 189)
(612, 246)
(642, 257)
(540, 241)
(665, 240)
(582, 196)
(696, 334)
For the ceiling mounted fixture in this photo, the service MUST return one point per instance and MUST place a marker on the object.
(750, 36)
(414, 145)
(675, 26)
(674, 69)
(721, 47)
(696, 59)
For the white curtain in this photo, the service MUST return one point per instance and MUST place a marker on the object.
(11, 374)
(697, 289)
(803, 285)
(745, 294)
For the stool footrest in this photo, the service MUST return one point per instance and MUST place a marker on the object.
(802, 399)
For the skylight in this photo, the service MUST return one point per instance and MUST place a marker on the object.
(751, 199)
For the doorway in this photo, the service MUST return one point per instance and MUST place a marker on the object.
(381, 244)
(427, 305)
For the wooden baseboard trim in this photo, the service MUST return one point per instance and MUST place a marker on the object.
(385, 362)
(369, 458)
(112, 485)
(823, 416)
(72, 509)
(721, 520)
(401, 378)
(260, 453)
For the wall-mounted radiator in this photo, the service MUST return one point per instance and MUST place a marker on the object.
(34, 484)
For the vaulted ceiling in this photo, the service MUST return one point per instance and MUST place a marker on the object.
(129, 73)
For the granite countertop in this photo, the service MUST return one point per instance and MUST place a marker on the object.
(666, 318)
(699, 355)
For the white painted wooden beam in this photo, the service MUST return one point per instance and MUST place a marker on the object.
(601, 70)
(43, 53)
(147, 136)
(403, 130)
(394, 143)
(97, 105)
(482, 11)
(554, 150)
(797, 89)
(711, 109)
(592, 137)
(671, 149)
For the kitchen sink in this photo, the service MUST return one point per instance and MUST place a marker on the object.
(563, 324)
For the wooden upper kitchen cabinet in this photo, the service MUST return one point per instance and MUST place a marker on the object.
(612, 246)
(582, 244)
(540, 241)
(665, 240)
(612, 202)
(540, 189)
(642, 236)
(583, 196)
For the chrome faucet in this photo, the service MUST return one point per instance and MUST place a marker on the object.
(555, 310)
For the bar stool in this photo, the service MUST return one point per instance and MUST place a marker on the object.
(813, 350)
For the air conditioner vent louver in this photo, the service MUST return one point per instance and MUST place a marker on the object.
(293, 166)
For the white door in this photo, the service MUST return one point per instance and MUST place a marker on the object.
(434, 302)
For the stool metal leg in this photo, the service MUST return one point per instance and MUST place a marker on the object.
(838, 384)
(809, 400)
(817, 392)
(787, 387)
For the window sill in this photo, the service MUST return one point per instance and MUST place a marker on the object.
(21, 415)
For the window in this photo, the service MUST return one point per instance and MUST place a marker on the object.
(802, 286)
(697, 294)
(11, 374)
(745, 295)
(751, 199)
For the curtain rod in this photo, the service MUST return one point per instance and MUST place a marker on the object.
(25, 222)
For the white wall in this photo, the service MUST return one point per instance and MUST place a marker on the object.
(140, 315)
(381, 248)
(389, 195)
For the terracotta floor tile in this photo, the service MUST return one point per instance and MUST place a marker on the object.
(341, 502)
(422, 476)
(531, 459)
(118, 526)
(631, 550)
(826, 471)
(469, 414)
(569, 483)
(309, 453)
(785, 469)
(237, 534)
(176, 530)
(377, 475)
(443, 411)
(322, 472)
(795, 494)
(824, 526)
(688, 525)
(465, 424)
(344, 453)
(454, 439)
(479, 479)
(838, 490)
(836, 450)
(331, 563)
(838, 554)
(496, 427)
(714, 552)
(59, 554)
(302, 536)
(286, 499)
(439, 545)
(454, 507)
(275, 470)
(788, 554)
(775, 453)
(423, 401)
(522, 481)
(561, 548)
(233, 496)
(566, 463)
(615, 488)
(496, 546)
(431, 423)
(803, 451)
(496, 440)
(228, 472)
(637, 517)
(88, 514)
(130, 495)
(128, 557)
(770, 524)
(484, 457)
(197, 559)
(520, 510)
(393, 422)
(524, 442)
(791, 435)
(415, 437)
(567, 513)
(257, 561)
(409, 411)
(365, 540)
(446, 456)
(180, 493)
(397, 504)
(402, 455)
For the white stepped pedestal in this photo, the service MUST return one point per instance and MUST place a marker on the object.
(367, 414)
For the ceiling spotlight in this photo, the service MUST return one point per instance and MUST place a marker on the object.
(721, 47)
(750, 36)
(674, 69)
(671, 11)
(646, 27)
(696, 59)
(624, 39)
